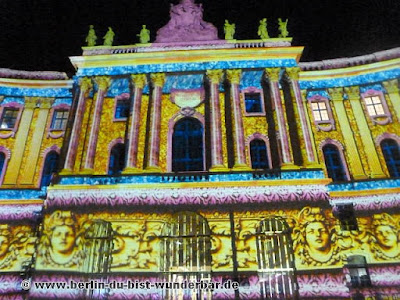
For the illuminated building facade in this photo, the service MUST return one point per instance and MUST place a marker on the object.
(194, 158)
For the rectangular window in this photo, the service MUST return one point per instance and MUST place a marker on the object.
(60, 118)
(374, 106)
(9, 118)
(357, 266)
(345, 214)
(320, 111)
(253, 102)
(122, 109)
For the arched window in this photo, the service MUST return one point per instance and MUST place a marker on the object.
(391, 152)
(50, 167)
(276, 268)
(187, 146)
(334, 163)
(258, 153)
(186, 254)
(117, 159)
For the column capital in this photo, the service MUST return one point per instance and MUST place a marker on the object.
(103, 82)
(46, 103)
(293, 73)
(139, 80)
(158, 79)
(391, 86)
(353, 92)
(273, 73)
(31, 102)
(233, 75)
(1, 98)
(85, 84)
(214, 76)
(336, 94)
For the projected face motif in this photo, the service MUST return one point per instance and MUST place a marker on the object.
(317, 236)
(386, 236)
(63, 239)
(4, 243)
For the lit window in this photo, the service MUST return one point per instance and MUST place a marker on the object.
(320, 111)
(122, 109)
(117, 160)
(391, 153)
(50, 167)
(186, 254)
(374, 106)
(275, 258)
(345, 214)
(60, 118)
(258, 154)
(357, 271)
(253, 102)
(9, 118)
(334, 164)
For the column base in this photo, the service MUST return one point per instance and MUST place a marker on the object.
(360, 176)
(290, 166)
(241, 167)
(152, 169)
(65, 172)
(218, 168)
(313, 165)
(379, 175)
(86, 172)
(132, 170)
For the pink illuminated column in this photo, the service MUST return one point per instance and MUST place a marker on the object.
(214, 77)
(273, 76)
(233, 77)
(139, 82)
(293, 74)
(153, 155)
(103, 83)
(85, 87)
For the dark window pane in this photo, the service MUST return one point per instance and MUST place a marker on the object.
(345, 214)
(258, 153)
(2, 161)
(334, 164)
(391, 152)
(50, 167)
(9, 118)
(253, 102)
(122, 109)
(187, 146)
(117, 160)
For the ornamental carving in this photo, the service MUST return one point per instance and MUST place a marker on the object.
(214, 76)
(103, 82)
(139, 80)
(158, 79)
(233, 76)
(86, 84)
(391, 86)
(293, 73)
(272, 74)
(336, 94)
(31, 102)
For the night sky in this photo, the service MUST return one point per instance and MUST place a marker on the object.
(42, 34)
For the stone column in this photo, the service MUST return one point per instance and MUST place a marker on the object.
(38, 133)
(349, 139)
(153, 155)
(14, 164)
(293, 75)
(139, 81)
(287, 157)
(217, 162)
(85, 87)
(103, 82)
(392, 89)
(353, 93)
(233, 77)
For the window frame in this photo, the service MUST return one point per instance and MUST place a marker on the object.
(322, 124)
(7, 156)
(387, 117)
(340, 148)
(360, 283)
(345, 213)
(46, 153)
(253, 90)
(262, 137)
(396, 141)
(57, 133)
(123, 97)
(111, 146)
(10, 132)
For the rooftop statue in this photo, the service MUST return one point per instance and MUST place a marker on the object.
(91, 37)
(186, 25)
(144, 35)
(229, 30)
(109, 37)
(283, 28)
(262, 29)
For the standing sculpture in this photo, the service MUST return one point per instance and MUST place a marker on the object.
(109, 37)
(283, 28)
(186, 25)
(144, 35)
(91, 37)
(229, 30)
(262, 29)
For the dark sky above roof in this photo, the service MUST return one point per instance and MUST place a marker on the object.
(42, 34)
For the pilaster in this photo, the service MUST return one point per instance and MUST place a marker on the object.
(392, 89)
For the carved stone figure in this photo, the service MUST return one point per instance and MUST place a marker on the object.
(186, 25)
(283, 28)
(262, 29)
(386, 243)
(144, 35)
(91, 37)
(229, 30)
(109, 37)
